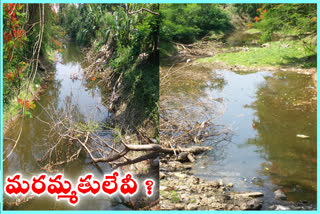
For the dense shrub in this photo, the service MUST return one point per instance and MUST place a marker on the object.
(187, 22)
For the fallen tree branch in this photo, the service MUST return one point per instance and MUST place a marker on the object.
(161, 149)
(71, 137)
(149, 156)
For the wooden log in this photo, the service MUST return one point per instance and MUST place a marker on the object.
(250, 194)
(160, 149)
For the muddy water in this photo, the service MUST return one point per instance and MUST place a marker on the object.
(60, 93)
(265, 111)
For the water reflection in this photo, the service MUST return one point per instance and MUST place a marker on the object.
(189, 80)
(266, 111)
(72, 53)
(62, 92)
(283, 109)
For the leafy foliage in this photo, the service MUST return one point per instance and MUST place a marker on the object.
(131, 35)
(296, 18)
(187, 22)
(249, 9)
(21, 28)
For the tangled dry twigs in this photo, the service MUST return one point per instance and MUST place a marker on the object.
(73, 137)
(187, 119)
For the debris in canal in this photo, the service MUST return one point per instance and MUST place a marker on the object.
(259, 72)
(72, 131)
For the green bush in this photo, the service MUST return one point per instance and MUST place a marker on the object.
(187, 22)
(297, 19)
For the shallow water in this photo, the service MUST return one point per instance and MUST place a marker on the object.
(60, 93)
(264, 111)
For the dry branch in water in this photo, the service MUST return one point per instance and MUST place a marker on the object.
(71, 138)
(187, 118)
(184, 123)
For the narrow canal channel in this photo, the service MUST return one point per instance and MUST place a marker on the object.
(66, 88)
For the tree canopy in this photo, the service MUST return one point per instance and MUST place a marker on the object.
(186, 23)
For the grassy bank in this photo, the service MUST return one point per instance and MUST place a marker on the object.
(138, 106)
(276, 53)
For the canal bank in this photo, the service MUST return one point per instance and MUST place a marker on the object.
(68, 97)
(267, 110)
